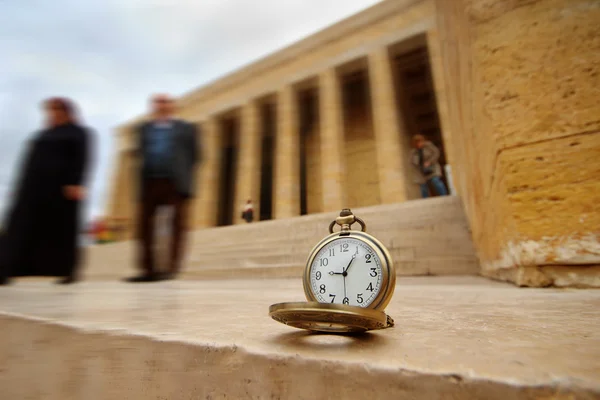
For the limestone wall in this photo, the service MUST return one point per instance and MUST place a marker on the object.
(522, 81)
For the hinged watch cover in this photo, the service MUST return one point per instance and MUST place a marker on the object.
(328, 317)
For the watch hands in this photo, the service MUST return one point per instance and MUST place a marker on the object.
(345, 272)
(344, 275)
(349, 264)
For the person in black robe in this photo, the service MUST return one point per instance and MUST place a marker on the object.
(41, 231)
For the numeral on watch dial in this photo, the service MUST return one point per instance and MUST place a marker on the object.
(346, 271)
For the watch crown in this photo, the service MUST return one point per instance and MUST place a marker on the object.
(345, 212)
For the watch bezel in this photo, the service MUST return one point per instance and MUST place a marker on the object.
(388, 281)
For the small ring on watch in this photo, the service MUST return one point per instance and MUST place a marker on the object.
(362, 224)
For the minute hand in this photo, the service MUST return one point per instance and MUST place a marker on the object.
(349, 264)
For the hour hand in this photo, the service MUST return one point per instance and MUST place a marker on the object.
(335, 273)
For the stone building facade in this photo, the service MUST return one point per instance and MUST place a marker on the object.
(508, 89)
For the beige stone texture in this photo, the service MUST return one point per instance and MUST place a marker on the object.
(249, 165)
(550, 212)
(441, 91)
(553, 192)
(286, 198)
(123, 198)
(195, 203)
(391, 154)
(532, 199)
(332, 141)
(551, 51)
(454, 38)
(549, 275)
(124, 201)
(208, 182)
(455, 338)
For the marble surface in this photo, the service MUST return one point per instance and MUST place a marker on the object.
(466, 327)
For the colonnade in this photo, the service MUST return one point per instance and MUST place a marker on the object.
(389, 147)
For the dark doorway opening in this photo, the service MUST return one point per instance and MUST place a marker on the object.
(229, 128)
(416, 100)
(362, 180)
(310, 167)
(269, 120)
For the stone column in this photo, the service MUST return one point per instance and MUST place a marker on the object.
(249, 166)
(332, 141)
(124, 195)
(441, 96)
(206, 211)
(118, 200)
(195, 203)
(391, 156)
(116, 183)
(130, 192)
(287, 153)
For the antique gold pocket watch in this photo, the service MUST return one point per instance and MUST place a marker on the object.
(349, 279)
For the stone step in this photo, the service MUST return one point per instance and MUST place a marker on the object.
(455, 338)
(425, 237)
(417, 238)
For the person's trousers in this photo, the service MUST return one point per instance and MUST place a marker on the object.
(156, 193)
(438, 186)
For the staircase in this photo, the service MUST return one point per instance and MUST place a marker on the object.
(424, 237)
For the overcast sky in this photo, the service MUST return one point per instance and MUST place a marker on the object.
(110, 55)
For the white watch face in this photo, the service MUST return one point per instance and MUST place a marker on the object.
(346, 271)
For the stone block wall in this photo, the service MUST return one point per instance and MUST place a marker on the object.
(525, 121)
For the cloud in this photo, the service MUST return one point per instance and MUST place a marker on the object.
(110, 55)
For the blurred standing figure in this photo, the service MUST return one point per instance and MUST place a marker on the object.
(248, 212)
(41, 237)
(169, 150)
(424, 156)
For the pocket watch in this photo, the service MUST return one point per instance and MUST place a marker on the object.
(349, 279)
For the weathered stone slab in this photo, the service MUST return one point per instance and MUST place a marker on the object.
(455, 337)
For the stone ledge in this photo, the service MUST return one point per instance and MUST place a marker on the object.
(576, 276)
(460, 337)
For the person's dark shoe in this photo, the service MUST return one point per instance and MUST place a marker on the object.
(5, 281)
(67, 280)
(169, 276)
(144, 278)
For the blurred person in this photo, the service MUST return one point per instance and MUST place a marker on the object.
(43, 223)
(168, 150)
(425, 158)
(248, 211)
